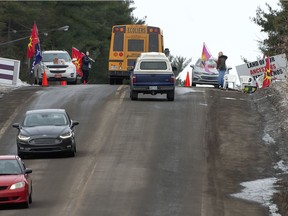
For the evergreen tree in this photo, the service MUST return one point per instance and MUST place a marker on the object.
(180, 63)
(90, 25)
(275, 24)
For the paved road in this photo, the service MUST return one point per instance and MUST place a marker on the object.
(148, 157)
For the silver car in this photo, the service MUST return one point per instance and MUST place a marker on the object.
(205, 72)
(58, 66)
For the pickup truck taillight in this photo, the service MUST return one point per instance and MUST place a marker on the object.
(133, 79)
(172, 79)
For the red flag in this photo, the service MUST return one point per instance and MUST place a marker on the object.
(34, 39)
(267, 75)
(77, 55)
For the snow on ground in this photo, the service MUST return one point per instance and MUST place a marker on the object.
(268, 139)
(281, 166)
(260, 191)
(4, 88)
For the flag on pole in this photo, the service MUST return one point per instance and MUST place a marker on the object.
(267, 75)
(33, 40)
(77, 55)
(37, 57)
(205, 53)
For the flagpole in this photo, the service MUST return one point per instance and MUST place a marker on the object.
(91, 59)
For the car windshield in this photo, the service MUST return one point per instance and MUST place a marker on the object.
(50, 57)
(42, 119)
(9, 167)
(210, 63)
(152, 65)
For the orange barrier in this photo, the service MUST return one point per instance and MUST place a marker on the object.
(187, 81)
(63, 83)
(44, 79)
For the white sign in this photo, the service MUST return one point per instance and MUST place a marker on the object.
(278, 66)
(9, 71)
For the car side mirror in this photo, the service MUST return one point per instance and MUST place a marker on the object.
(28, 171)
(192, 66)
(16, 125)
(74, 59)
(74, 123)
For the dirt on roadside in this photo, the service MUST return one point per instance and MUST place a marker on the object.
(236, 152)
(271, 103)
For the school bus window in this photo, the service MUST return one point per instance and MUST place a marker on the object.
(153, 43)
(118, 41)
(136, 45)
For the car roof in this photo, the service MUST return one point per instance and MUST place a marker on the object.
(8, 157)
(212, 58)
(46, 110)
(149, 55)
(54, 51)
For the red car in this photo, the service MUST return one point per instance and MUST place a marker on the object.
(15, 181)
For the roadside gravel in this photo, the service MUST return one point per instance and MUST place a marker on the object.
(272, 105)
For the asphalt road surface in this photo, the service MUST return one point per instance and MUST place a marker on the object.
(149, 157)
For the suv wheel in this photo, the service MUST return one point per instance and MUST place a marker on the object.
(133, 95)
(170, 96)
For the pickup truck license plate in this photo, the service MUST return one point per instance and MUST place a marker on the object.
(152, 87)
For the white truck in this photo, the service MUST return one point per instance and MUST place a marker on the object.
(153, 74)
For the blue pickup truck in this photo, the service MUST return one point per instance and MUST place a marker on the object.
(152, 74)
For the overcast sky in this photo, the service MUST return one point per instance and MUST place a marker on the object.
(224, 25)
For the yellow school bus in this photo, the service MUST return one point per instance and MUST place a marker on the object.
(127, 43)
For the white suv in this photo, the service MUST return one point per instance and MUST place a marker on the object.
(58, 66)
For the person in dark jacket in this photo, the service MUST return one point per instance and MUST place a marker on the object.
(221, 67)
(86, 65)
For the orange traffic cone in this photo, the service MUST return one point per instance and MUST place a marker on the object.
(84, 82)
(187, 81)
(44, 79)
(63, 83)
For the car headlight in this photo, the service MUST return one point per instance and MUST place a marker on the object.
(17, 185)
(66, 135)
(71, 67)
(23, 138)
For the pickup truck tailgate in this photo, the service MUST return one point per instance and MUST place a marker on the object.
(153, 79)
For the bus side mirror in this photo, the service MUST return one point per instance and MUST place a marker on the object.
(131, 68)
(167, 52)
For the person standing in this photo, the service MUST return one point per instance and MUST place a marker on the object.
(86, 65)
(221, 67)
